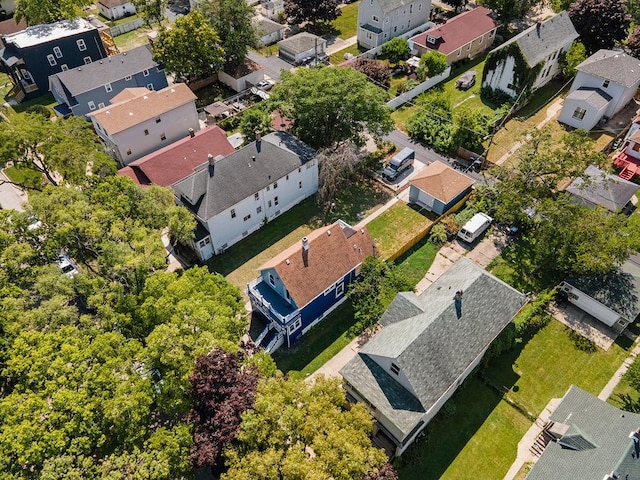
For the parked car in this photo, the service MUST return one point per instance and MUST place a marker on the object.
(475, 227)
(265, 84)
(399, 163)
(467, 80)
(66, 266)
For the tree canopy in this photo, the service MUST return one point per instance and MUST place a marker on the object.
(331, 105)
(191, 48)
(396, 50)
(633, 43)
(457, 4)
(377, 72)
(318, 13)
(509, 10)
(600, 23)
(49, 11)
(431, 64)
(572, 58)
(152, 11)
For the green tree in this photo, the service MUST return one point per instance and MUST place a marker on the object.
(431, 64)
(317, 13)
(433, 122)
(560, 5)
(632, 375)
(232, 21)
(331, 105)
(509, 10)
(457, 5)
(375, 288)
(600, 23)
(298, 430)
(152, 11)
(632, 45)
(255, 120)
(191, 49)
(62, 151)
(572, 58)
(396, 50)
(471, 129)
(49, 11)
(633, 9)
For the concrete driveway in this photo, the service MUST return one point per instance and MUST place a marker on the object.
(272, 65)
(11, 197)
(423, 154)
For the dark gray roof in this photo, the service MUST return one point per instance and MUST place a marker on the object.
(602, 435)
(602, 188)
(108, 70)
(264, 26)
(388, 6)
(301, 42)
(371, 28)
(618, 290)
(591, 96)
(237, 176)
(433, 339)
(538, 42)
(618, 67)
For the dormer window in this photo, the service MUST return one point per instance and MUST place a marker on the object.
(431, 39)
(395, 369)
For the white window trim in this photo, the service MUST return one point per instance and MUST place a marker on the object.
(81, 45)
(92, 105)
(340, 289)
(108, 87)
(52, 60)
(57, 52)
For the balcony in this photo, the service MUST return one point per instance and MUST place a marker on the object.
(270, 304)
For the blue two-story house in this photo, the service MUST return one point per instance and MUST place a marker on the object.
(84, 89)
(31, 55)
(299, 287)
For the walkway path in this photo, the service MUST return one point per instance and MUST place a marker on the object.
(335, 44)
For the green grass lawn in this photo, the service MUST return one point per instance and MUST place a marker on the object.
(414, 264)
(395, 227)
(322, 343)
(346, 25)
(23, 175)
(338, 57)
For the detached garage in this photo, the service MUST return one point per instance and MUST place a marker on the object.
(295, 49)
(438, 187)
(613, 299)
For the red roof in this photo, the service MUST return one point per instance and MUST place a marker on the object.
(174, 162)
(458, 31)
(10, 26)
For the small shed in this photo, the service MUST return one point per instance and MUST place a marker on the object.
(584, 107)
(599, 188)
(237, 78)
(438, 187)
(115, 9)
(303, 45)
(269, 32)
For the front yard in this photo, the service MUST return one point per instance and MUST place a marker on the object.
(346, 25)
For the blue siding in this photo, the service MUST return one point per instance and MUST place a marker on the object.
(459, 197)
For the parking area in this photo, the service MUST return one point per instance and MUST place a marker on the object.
(583, 323)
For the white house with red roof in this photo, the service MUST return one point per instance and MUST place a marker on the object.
(299, 287)
(464, 36)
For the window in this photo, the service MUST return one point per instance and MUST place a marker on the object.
(150, 86)
(64, 67)
(328, 290)
(386, 19)
(287, 177)
(605, 84)
(87, 60)
(146, 132)
(411, 8)
(295, 325)
(269, 203)
(52, 60)
(92, 105)
(81, 45)
(108, 87)
(299, 170)
(419, 6)
(511, 86)
(300, 184)
(579, 113)
(375, 18)
(101, 105)
(259, 209)
(431, 39)
(275, 201)
(395, 29)
(205, 242)
(395, 369)
(127, 78)
(256, 196)
(128, 151)
(468, 47)
(163, 136)
(481, 38)
(57, 52)
(272, 280)
(275, 185)
(158, 120)
(233, 213)
(459, 52)
(145, 73)
(339, 290)
(247, 217)
(268, 187)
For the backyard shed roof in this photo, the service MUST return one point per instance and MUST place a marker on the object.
(602, 188)
(264, 26)
(441, 181)
(301, 42)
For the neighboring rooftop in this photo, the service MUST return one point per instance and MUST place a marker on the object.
(264, 26)
(301, 42)
(180, 159)
(113, 3)
(10, 26)
(333, 252)
(458, 31)
(133, 106)
(598, 441)
(441, 181)
(612, 65)
(38, 34)
(602, 188)
(211, 190)
(391, 5)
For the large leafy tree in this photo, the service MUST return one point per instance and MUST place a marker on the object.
(396, 50)
(192, 48)
(297, 430)
(457, 4)
(318, 13)
(48, 11)
(152, 11)
(431, 64)
(255, 120)
(377, 72)
(62, 151)
(600, 23)
(633, 43)
(509, 10)
(232, 21)
(572, 58)
(433, 122)
(331, 105)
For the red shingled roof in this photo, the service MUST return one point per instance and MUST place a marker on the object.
(458, 31)
(10, 26)
(178, 160)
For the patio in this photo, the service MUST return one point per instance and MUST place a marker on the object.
(583, 323)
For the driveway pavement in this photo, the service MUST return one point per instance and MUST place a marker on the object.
(11, 197)
(423, 154)
(272, 65)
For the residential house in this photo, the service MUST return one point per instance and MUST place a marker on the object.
(269, 32)
(628, 158)
(84, 89)
(530, 59)
(438, 187)
(140, 120)
(272, 9)
(589, 439)
(180, 159)
(428, 345)
(241, 77)
(115, 9)
(381, 20)
(9, 26)
(604, 84)
(604, 190)
(464, 36)
(31, 55)
(300, 46)
(613, 299)
(235, 195)
(299, 287)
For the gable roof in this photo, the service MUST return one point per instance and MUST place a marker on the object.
(178, 160)
(301, 42)
(618, 290)
(333, 252)
(388, 6)
(264, 26)
(113, 3)
(133, 106)
(617, 67)
(237, 176)
(603, 432)
(434, 346)
(441, 181)
(458, 31)
(602, 188)
(591, 96)
(541, 40)
(108, 70)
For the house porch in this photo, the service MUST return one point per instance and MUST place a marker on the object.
(629, 166)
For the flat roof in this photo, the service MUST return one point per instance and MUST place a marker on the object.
(38, 34)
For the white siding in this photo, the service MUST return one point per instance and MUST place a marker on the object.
(502, 77)
(590, 119)
(418, 196)
(593, 307)
(621, 95)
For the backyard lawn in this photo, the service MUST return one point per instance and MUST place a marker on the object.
(346, 25)
(23, 175)
(338, 57)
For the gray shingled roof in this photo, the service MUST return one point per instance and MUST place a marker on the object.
(108, 70)
(264, 26)
(617, 67)
(618, 290)
(602, 188)
(591, 96)
(237, 176)
(301, 42)
(388, 6)
(431, 341)
(538, 42)
(603, 426)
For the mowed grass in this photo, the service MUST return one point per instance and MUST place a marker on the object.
(338, 57)
(478, 442)
(23, 175)
(346, 25)
(396, 227)
(414, 264)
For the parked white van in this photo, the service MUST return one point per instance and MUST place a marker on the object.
(475, 227)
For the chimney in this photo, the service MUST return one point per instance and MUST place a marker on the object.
(305, 243)
(253, 158)
(538, 25)
(457, 301)
(212, 164)
(305, 251)
(192, 133)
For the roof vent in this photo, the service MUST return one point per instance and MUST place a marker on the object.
(612, 476)
(328, 233)
(253, 158)
(362, 231)
(211, 159)
(287, 261)
(305, 243)
(191, 133)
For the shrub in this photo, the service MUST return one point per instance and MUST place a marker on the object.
(39, 110)
(581, 342)
(497, 96)
(448, 409)
(438, 234)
